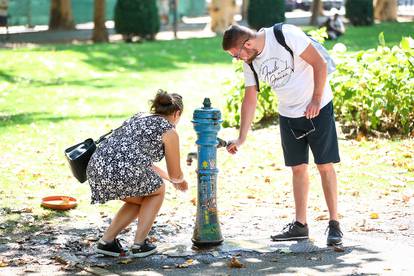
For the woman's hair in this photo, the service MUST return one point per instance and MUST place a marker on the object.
(166, 103)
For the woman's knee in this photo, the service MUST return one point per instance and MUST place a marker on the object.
(137, 200)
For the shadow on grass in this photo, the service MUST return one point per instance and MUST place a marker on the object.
(157, 55)
(31, 117)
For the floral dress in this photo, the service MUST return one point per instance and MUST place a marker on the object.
(121, 165)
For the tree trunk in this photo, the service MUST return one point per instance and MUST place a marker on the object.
(100, 33)
(385, 10)
(222, 14)
(317, 9)
(244, 7)
(61, 15)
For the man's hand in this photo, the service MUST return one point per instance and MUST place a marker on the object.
(233, 146)
(183, 186)
(312, 110)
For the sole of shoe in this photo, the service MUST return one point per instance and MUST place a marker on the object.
(108, 253)
(334, 243)
(143, 254)
(290, 239)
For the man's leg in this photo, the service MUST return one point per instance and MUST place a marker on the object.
(300, 191)
(296, 155)
(330, 190)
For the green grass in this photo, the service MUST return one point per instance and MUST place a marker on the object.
(366, 37)
(54, 96)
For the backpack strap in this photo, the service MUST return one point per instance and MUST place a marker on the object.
(277, 30)
(256, 78)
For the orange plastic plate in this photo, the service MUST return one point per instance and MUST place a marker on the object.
(59, 202)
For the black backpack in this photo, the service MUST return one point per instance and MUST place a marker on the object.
(277, 30)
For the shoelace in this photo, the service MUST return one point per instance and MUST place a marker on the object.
(117, 242)
(288, 227)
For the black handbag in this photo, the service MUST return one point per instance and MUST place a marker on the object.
(79, 155)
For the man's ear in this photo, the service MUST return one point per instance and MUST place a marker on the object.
(248, 44)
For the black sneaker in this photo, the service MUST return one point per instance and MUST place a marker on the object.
(143, 250)
(113, 248)
(292, 232)
(335, 234)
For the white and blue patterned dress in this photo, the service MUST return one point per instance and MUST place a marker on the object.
(121, 165)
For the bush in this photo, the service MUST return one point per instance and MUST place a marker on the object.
(360, 12)
(265, 13)
(266, 104)
(137, 17)
(374, 89)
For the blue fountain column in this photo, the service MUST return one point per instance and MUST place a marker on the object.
(207, 122)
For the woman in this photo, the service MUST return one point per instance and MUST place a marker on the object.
(122, 168)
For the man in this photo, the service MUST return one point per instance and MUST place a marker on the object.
(305, 108)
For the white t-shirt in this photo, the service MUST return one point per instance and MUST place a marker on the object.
(292, 83)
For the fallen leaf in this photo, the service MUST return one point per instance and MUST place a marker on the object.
(251, 197)
(360, 137)
(403, 227)
(235, 263)
(125, 261)
(337, 248)
(374, 216)
(152, 239)
(405, 198)
(267, 180)
(189, 261)
(322, 217)
(193, 201)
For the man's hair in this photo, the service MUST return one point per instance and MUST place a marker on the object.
(235, 35)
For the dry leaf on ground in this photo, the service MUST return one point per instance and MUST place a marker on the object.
(374, 215)
(235, 263)
(322, 217)
(338, 248)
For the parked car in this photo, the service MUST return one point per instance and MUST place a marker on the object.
(327, 4)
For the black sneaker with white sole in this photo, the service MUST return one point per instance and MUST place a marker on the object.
(335, 234)
(113, 248)
(292, 232)
(143, 250)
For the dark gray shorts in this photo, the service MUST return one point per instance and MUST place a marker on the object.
(298, 134)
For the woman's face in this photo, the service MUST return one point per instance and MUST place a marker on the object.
(176, 117)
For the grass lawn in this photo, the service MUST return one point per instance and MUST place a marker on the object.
(54, 96)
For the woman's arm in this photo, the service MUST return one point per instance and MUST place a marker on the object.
(161, 172)
(172, 157)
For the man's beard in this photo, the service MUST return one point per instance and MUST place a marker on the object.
(253, 53)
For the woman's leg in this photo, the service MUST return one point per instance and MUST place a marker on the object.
(128, 212)
(150, 206)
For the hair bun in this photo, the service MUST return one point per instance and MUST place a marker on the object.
(165, 103)
(163, 98)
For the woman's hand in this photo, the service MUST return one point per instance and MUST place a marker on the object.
(182, 186)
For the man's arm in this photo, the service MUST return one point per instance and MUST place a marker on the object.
(248, 109)
(320, 72)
